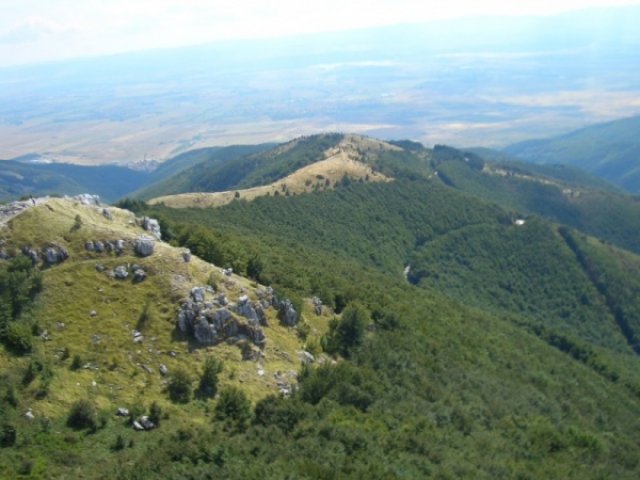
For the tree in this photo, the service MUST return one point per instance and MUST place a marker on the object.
(208, 386)
(254, 268)
(233, 407)
(180, 386)
(348, 332)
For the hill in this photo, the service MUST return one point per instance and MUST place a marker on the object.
(609, 150)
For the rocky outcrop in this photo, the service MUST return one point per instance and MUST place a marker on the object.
(118, 247)
(32, 254)
(317, 306)
(88, 199)
(143, 246)
(54, 254)
(120, 272)
(138, 275)
(152, 226)
(186, 255)
(286, 313)
(210, 323)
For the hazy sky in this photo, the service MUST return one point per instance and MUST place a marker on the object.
(42, 30)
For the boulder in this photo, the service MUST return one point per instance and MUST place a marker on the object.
(137, 427)
(32, 254)
(143, 246)
(222, 299)
(139, 275)
(245, 309)
(197, 294)
(55, 254)
(286, 313)
(204, 333)
(122, 412)
(119, 247)
(186, 255)
(98, 246)
(146, 423)
(152, 226)
(107, 214)
(262, 317)
(100, 267)
(164, 370)
(108, 246)
(88, 199)
(317, 306)
(89, 246)
(120, 272)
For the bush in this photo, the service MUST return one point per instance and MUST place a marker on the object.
(18, 337)
(155, 413)
(82, 415)
(209, 380)
(76, 363)
(7, 435)
(180, 386)
(233, 407)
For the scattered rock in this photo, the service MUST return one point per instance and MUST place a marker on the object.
(227, 271)
(197, 294)
(186, 255)
(137, 427)
(143, 246)
(164, 370)
(89, 246)
(152, 226)
(119, 247)
(100, 268)
(317, 306)
(88, 199)
(306, 357)
(107, 214)
(108, 246)
(120, 272)
(146, 423)
(93, 313)
(122, 412)
(29, 415)
(55, 254)
(222, 299)
(286, 313)
(245, 309)
(98, 246)
(32, 254)
(139, 275)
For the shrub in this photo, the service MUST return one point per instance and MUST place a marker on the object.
(76, 363)
(82, 415)
(7, 435)
(180, 386)
(155, 413)
(19, 338)
(348, 332)
(233, 407)
(208, 386)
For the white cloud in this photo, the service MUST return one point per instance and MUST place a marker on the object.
(48, 29)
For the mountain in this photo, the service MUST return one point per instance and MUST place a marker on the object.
(609, 150)
(445, 327)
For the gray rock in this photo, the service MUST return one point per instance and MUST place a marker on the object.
(262, 317)
(100, 267)
(227, 271)
(186, 255)
(317, 306)
(287, 314)
(152, 226)
(107, 214)
(93, 313)
(164, 370)
(197, 294)
(122, 412)
(89, 246)
(119, 247)
(29, 415)
(120, 272)
(3, 255)
(143, 246)
(55, 254)
(87, 199)
(245, 309)
(306, 357)
(204, 333)
(98, 246)
(32, 254)
(139, 275)
(222, 299)
(137, 427)
(108, 246)
(146, 423)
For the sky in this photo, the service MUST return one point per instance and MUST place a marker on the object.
(33, 31)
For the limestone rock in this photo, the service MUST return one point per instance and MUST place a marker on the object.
(186, 255)
(164, 370)
(98, 246)
(144, 246)
(120, 272)
(55, 254)
(89, 246)
(152, 226)
(122, 412)
(119, 247)
(197, 294)
(286, 313)
(88, 199)
(139, 275)
(107, 214)
(146, 423)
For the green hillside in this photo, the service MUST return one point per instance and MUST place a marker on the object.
(608, 150)
(507, 348)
